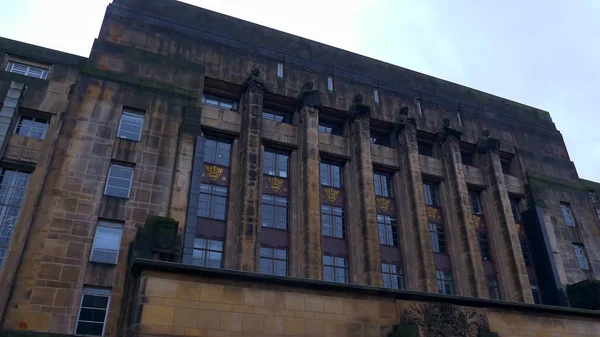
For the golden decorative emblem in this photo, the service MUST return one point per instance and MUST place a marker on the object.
(431, 212)
(331, 193)
(275, 183)
(476, 221)
(214, 172)
(518, 228)
(383, 203)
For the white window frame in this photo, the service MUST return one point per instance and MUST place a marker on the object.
(107, 224)
(93, 292)
(329, 82)
(10, 66)
(280, 69)
(112, 165)
(578, 249)
(419, 107)
(376, 95)
(567, 207)
(131, 113)
(34, 119)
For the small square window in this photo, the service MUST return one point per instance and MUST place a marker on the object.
(425, 148)
(32, 127)
(277, 116)
(131, 125)
(332, 128)
(107, 242)
(466, 158)
(118, 183)
(219, 102)
(331, 174)
(379, 138)
(383, 184)
(335, 269)
(280, 69)
(92, 312)
(567, 214)
(329, 83)
(26, 69)
(444, 281)
(207, 253)
(376, 95)
(273, 261)
(392, 276)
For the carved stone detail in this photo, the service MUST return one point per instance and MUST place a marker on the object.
(404, 119)
(445, 320)
(487, 144)
(254, 81)
(449, 132)
(308, 96)
(358, 109)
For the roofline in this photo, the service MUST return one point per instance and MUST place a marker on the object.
(35, 52)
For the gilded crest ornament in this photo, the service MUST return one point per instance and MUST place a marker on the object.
(214, 172)
(518, 228)
(383, 203)
(275, 183)
(476, 221)
(331, 193)
(431, 212)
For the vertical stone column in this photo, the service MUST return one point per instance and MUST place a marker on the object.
(10, 113)
(417, 256)
(467, 266)
(308, 193)
(367, 240)
(250, 158)
(506, 248)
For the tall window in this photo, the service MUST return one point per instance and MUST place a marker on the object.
(217, 152)
(118, 183)
(273, 261)
(392, 276)
(430, 191)
(131, 125)
(484, 245)
(514, 205)
(32, 127)
(329, 83)
(376, 95)
(276, 116)
(207, 253)
(276, 164)
(580, 256)
(444, 281)
(335, 269)
(475, 202)
(13, 185)
(274, 211)
(213, 202)
(535, 292)
(493, 288)
(107, 242)
(332, 221)
(280, 69)
(92, 312)
(567, 214)
(388, 232)
(383, 184)
(526, 251)
(438, 240)
(331, 175)
(219, 102)
(27, 70)
(593, 196)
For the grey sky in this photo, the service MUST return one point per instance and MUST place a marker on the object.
(540, 53)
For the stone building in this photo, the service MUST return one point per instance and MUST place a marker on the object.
(199, 175)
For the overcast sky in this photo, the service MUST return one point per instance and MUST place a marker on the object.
(543, 53)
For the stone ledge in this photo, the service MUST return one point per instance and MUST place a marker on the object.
(21, 333)
(138, 265)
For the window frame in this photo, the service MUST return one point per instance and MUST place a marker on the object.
(440, 238)
(17, 181)
(215, 151)
(275, 206)
(119, 166)
(212, 195)
(388, 178)
(330, 127)
(580, 257)
(475, 199)
(332, 216)
(598, 213)
(535, 293)
(273, 259)
(376, 95)
(276, 169)
(493, 287)
(99, 292)
(425, 148)
(207, 250)
(34, 120)
(220, 101)
(567, 213)
(444, 281)
(484, 245)
(112, 225)
(280, 69)
(398, 275)
(330, 86)
(336, 269)
(514, 206)
(526, 251)
(388, 226)
(132, 113)
(12, 62)
(379, 138)
(431, 193)
(331, 174)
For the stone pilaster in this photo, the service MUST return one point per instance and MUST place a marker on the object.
(9, 113)
(465, 255)
(362, 192)
(308, 195)
(413, 228)
(250, 163)
(506, 248)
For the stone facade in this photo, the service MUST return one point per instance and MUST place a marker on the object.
(418, 130)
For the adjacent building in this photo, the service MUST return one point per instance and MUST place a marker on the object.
(199, 175)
